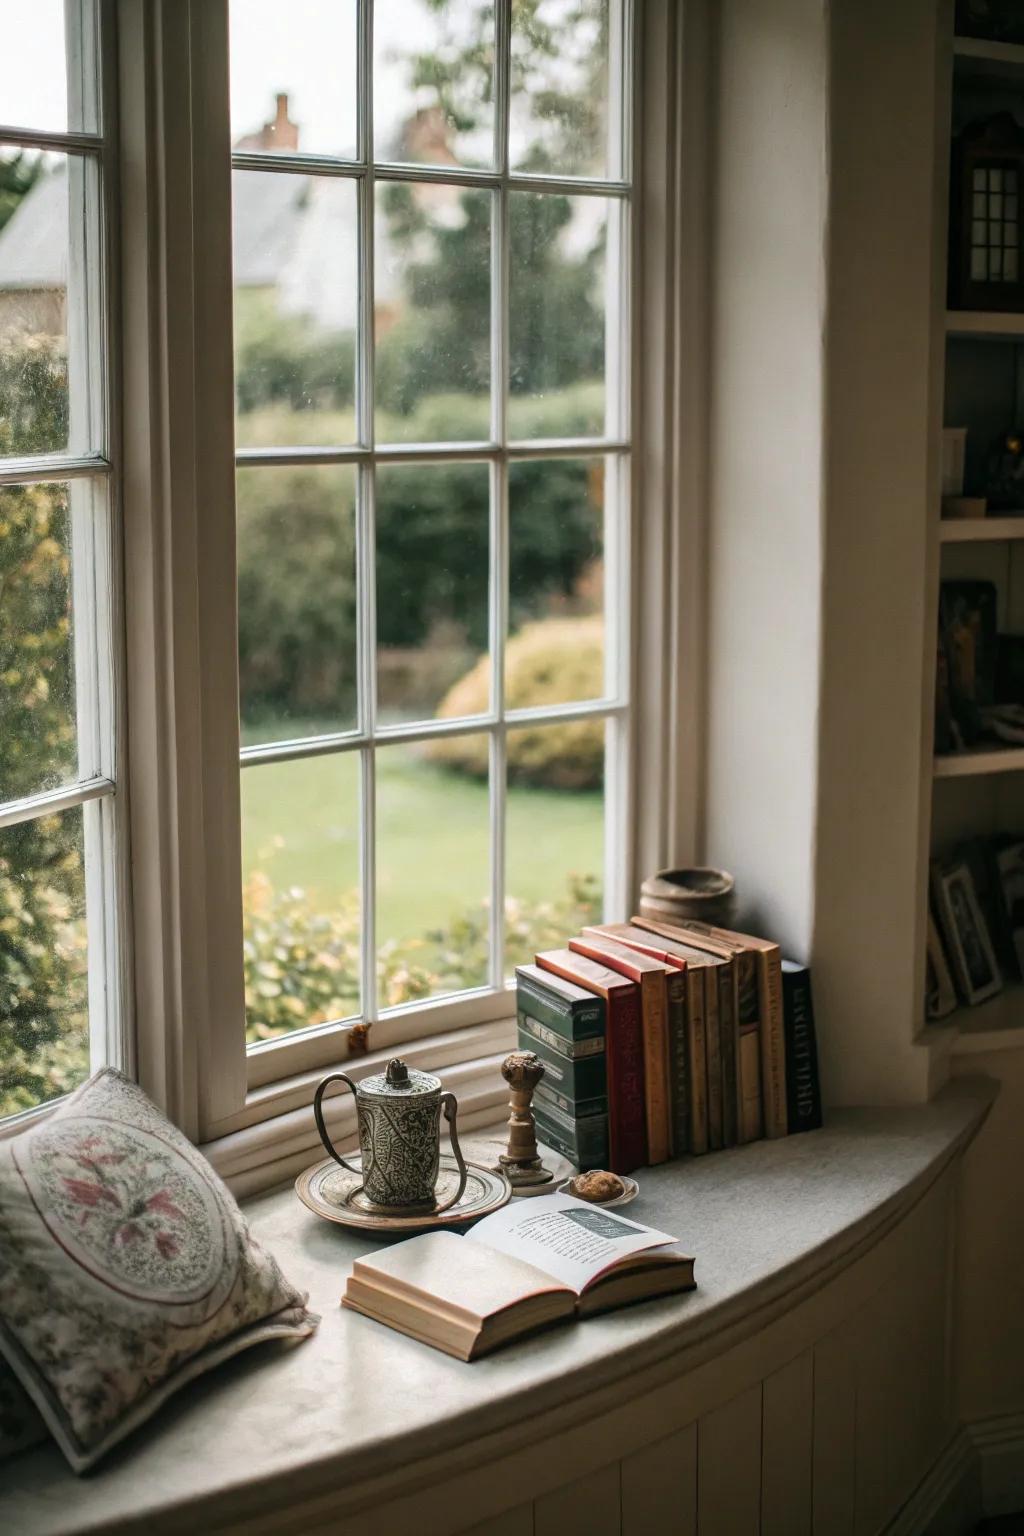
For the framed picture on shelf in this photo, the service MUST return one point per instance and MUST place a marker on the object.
(1010, 861)
(939, 993)
(966, 933)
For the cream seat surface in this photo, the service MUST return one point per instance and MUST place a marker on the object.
(359, 1400)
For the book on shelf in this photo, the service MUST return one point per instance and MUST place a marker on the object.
(624, 1051)
(531, 1264)
(559, 1022)
(687, 1054)
(803, 1087)
(767, 964)
(651, 976)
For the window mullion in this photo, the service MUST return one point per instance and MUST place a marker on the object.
(366, 536)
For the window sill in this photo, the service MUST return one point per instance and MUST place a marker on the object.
(275, 1137)
(312, 1431)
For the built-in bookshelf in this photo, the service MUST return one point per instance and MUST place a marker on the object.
(978, 792)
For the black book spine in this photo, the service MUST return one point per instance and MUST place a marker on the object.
(803, 1087)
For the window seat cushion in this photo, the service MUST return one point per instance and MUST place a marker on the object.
(126, 1267)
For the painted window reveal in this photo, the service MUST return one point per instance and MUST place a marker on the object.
(431, 253)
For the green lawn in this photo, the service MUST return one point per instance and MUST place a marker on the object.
(300, 828)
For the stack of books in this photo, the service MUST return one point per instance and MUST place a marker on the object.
(661, 1039)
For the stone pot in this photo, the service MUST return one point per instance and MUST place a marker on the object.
(689, 895)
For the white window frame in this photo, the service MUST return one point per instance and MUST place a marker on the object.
(182, 681)
(90, 469)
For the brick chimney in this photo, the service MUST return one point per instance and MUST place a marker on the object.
(280, 134)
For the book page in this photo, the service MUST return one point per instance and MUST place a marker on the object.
(568, 1239)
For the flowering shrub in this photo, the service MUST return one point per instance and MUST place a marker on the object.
(302, 964)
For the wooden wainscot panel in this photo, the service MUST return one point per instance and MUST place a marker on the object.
(834, 1433)
(786, 1449)
(589, 1506)
(659, 1487)
(729, 1468)
(514, 1522)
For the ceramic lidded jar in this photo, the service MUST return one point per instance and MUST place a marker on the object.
(399, 1114)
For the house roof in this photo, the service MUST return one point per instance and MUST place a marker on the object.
(291, 232)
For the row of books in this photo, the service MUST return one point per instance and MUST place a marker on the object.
(661, 1039)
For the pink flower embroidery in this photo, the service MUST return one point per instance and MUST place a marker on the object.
(166, 1245)
(88, 1194)
(162, 1203)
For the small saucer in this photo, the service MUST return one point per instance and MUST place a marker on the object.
(334, 1193)
(630, 1192)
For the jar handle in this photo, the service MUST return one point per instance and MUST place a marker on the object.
(450, 1105)
(318, 1116)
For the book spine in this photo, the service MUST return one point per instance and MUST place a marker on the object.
(803, 1089)
(751, 1127)
(541, 1035)
(653, 992)
(584, 1142)
(696, 1047)
(572, 1021)
(729, 1043)
(576, 1109)
(714, 1058)
(677, 985)
(773, 1043)
(584, 1078)
(627, 1142)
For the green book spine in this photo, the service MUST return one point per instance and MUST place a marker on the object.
(555, 1044)
(573, 1021)
(576, 1109)
(585, 1078)
(583, 1142)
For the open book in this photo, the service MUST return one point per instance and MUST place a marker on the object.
(532, 1263)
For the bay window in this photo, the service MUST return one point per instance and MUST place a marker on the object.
(393, 712)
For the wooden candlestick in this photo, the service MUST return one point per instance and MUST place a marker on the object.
(521, 1164)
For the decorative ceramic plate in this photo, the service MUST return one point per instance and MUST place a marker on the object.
(332, 1192)
(630, 1192)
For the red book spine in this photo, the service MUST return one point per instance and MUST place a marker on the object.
(624, 1055)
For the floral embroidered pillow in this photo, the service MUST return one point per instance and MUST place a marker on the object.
(126, 1267)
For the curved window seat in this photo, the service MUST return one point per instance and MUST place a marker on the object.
(303, 1439)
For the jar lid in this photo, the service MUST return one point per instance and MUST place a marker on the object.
(400, 1082)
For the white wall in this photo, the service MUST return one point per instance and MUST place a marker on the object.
(821, 347)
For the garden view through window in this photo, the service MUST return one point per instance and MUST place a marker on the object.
(430, 241)
(57, 966)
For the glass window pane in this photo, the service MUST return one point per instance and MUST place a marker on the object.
(979, 265)
(433, 81)
(300, 872)
(297, 623)
(47, 230)
(46, 66)
(432, 585)
(44, 1022)
(555, 649)
(1010, 266)
(432, 313)
(560, 88)
(995, 181)
(296, 308)
(557, 315)
(38, 748)
(554, 835)
(433, 819)
(293, 76)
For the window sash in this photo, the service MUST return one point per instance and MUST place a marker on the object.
(94, 506)
(184, 780)
(614, 446)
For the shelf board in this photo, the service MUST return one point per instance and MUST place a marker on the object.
(990, 325)
(964, 765)
(979, 56)
(980, 530)
(997, 1025)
